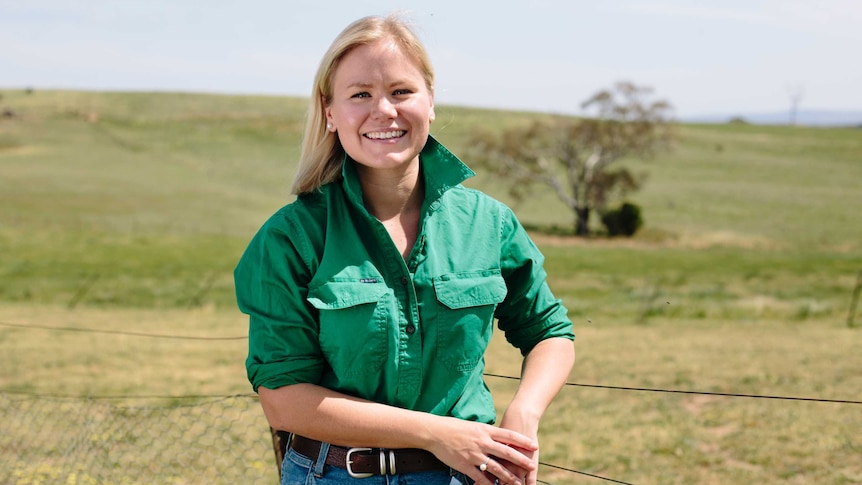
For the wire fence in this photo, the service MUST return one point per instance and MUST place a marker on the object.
(80, 441)
(93, 441)
(50, 439)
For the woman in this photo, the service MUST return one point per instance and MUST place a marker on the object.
(372, 296)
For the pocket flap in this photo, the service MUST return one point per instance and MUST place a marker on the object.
(464, 290)
(334, 295)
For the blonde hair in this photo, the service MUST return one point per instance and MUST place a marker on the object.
(322, 154)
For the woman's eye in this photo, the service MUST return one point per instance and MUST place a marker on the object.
(361, 95)
(401, 91)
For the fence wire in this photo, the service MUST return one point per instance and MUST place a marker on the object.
(80, 441)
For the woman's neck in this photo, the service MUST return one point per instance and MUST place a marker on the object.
(395, 199)
(391, 194)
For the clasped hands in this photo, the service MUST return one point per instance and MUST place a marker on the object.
(488, 454)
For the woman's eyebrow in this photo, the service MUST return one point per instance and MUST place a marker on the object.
(360, 85)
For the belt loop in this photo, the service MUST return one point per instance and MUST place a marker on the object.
(321, 459)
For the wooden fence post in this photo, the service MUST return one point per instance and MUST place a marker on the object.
(854, 300)
(82, 290)
(279, 446)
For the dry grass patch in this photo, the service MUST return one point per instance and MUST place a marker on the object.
(645, 437)
(87, 363)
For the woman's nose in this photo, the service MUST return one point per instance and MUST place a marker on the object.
(385, 108)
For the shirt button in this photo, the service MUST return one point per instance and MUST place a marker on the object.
(404, 280)
(411, 329)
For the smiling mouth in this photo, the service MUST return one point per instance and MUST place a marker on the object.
(385, 135)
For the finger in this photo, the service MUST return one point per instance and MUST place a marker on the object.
(516, 470)
(480, 473)
(532, 478)
(514, 439)
(518, 458)
(503, 473)
(494, 474)
(479, 477)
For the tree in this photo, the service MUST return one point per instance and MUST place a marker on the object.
(574, 156)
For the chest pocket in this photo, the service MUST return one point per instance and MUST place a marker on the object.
(353, 323)
(465, 314)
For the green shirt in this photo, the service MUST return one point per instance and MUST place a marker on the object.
(332, 302)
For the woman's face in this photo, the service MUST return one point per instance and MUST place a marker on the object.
(381, 108)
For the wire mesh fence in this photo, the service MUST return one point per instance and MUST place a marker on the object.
(225, 439)
(81, 441)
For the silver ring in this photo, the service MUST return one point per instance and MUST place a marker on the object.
(484, 466)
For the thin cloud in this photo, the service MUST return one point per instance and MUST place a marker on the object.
(834, 18)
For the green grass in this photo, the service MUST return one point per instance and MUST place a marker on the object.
(785, 186)
(128, 211)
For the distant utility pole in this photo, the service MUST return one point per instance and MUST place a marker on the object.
(795, 93)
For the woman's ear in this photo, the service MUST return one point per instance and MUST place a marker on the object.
(327, 114)
(330, 126)
(432, 115)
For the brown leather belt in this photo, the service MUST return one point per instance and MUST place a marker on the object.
(366, 462)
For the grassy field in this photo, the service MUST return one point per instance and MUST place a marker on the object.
(127, 211)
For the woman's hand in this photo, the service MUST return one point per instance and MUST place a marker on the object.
(543, 374)
(528, 426)
(466, 445)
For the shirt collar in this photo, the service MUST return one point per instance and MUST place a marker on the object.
(440, 167)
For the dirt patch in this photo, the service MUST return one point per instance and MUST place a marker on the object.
(697, 403)
(661, 240)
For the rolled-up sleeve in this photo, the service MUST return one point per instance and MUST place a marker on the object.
(271, 281)
(530, 313)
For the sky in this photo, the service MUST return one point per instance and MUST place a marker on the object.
(705, 57)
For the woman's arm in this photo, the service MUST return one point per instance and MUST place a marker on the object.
(325, 415)
(543, 374)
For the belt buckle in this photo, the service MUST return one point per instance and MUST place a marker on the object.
(349, 463)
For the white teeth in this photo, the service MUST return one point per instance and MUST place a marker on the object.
(385, 135)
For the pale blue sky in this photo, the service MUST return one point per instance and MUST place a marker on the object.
(706, 57)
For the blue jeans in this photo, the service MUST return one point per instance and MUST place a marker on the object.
(301, 470)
